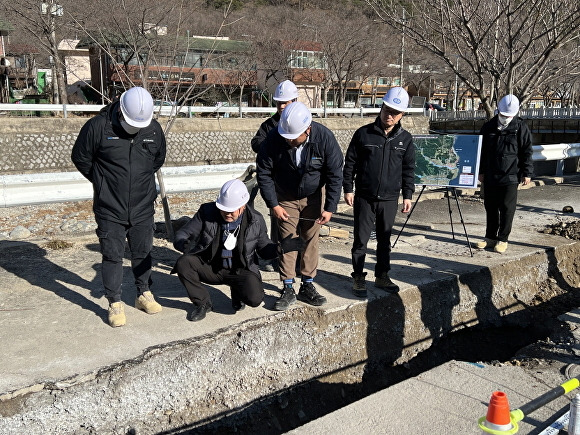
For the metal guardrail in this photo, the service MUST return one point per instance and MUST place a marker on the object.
(29, 189)
(544, 112)
(189, 111)
(559, 152)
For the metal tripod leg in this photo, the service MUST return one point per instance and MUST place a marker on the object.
(408, 216)
(450, 212)
(461, 218)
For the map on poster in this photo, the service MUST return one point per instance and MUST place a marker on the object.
(447, 160)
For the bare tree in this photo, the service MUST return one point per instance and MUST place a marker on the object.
(352, 51)
(46, 24)
(500, 46)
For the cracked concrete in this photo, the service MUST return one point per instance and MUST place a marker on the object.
(66, 371)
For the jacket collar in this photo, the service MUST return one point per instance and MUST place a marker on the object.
(378, 126)
(512, 126)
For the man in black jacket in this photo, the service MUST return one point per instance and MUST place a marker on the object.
(119, 151)
(298, 159)
(506, 161)
(286, 93)
(220, 245)
(379, 163)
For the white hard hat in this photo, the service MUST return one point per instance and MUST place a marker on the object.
(509, 105)
(397, 98)
(233, 195)
(137, 107)
(294, 120)
(286, 91)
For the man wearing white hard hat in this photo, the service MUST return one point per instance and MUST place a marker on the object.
(119, 151)
(297, 162)
(379, 165)
(220, 245)
(286, 93)
(506, 161)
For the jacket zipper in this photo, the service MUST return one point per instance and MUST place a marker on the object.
(387, 140)
(130, 179)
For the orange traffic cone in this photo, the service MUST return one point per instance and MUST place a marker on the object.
(498, 419)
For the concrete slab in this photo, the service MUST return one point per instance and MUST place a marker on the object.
(64, 368)
(451, 399)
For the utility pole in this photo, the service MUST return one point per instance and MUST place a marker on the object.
(456, 84)
(402, 48)
(52, 10)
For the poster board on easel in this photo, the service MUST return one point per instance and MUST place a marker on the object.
(447, 160)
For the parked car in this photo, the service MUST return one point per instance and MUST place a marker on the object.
(163, 103)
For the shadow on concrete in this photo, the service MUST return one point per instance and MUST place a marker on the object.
(29, 262)
(495, 339)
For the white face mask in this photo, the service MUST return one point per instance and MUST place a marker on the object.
(129, 128)
(504, 120)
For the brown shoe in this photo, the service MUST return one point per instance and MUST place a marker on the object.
(146, 302)
(384, 282)
(117, 314)
(485, 243)
(500, 247)
(359, 286)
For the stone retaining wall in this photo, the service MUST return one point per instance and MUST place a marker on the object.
(33, 145)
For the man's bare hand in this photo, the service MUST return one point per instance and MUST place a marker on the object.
(280, 213)
(349, 198)
(324, 218)
(406, 206)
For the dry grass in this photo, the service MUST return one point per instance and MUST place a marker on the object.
(58, 244)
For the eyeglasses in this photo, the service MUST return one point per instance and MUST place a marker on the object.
(388, 111)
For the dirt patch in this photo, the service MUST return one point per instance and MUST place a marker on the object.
(570, 230)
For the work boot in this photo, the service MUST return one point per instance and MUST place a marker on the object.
(198, 312)
(288, 298)
(268, 265)
(500, 247)
(359, 286)
(146, 302)
(117, 314)
(237, 304)
(485, 243)
(308, 294)
(384, 282)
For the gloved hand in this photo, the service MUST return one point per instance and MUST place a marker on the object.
(288, 244)
(180, 244)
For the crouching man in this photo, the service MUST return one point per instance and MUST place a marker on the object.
(220, 245)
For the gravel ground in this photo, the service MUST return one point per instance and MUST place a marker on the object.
(61, 220)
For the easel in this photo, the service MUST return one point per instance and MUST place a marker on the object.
(447, 189)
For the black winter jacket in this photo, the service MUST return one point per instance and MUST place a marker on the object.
(278, 174)
(201, 236)
(506, 155)
(121, 167)
(380, 166)
(262, 133)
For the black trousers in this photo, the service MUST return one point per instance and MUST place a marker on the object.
(112, 238)
(500, 208)
(367, 216)
(245, 285)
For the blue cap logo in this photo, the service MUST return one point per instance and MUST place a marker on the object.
(396, 101)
